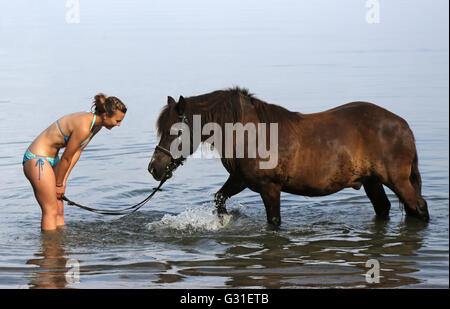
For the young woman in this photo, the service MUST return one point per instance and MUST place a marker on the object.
(42, 166)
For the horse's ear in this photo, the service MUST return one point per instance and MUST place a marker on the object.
(181, 105)
(170, 100)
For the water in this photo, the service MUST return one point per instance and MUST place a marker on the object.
(305, 56)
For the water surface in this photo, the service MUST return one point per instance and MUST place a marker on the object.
(307, 57)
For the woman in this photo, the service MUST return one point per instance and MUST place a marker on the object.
(42, 166)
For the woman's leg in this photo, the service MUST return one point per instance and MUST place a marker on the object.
(42, 180)
(60, 213)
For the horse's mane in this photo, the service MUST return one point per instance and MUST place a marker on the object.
(225, 106)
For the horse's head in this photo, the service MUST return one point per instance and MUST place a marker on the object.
(174, 145)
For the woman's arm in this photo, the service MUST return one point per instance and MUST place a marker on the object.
(76, 157)
(65, 163)
(73, 162)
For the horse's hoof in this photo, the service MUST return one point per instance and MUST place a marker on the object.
(424, 216)
(275, 222)
(222, 211)
(382, 216)
(222, 219)
(417, 215)
(422, 213)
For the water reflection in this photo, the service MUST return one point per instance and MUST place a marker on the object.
(298, 259)
(332, 255)
(52, 262)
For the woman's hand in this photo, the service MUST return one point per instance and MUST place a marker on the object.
(60, 190)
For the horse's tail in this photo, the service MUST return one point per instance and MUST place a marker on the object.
(416, 181)
(415, 178)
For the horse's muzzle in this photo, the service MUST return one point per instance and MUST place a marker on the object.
(153, 172)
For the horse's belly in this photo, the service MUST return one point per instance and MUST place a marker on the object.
(311, 191)
(321, 189)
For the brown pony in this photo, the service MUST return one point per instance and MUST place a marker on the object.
(353, 145)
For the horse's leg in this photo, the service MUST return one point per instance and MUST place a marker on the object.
(375, 192)
(271, 199)
(232, 186)
(415, 204)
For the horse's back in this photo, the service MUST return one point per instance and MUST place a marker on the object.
(362, 116)
(338, 146)
(362, 109)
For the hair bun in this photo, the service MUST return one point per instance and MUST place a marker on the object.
(103, 104)
(100, 99)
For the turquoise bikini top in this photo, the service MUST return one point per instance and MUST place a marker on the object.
(90, 135)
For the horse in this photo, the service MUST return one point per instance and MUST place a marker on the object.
(349, 146)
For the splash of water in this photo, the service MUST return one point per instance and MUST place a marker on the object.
(192, 220)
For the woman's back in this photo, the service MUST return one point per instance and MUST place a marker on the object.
(52, 139)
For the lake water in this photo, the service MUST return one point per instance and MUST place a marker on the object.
(307, 57)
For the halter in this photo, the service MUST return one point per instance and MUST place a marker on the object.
(174, 162)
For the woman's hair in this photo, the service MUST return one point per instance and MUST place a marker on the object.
(108, 105)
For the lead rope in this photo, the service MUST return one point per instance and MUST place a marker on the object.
(132, 209)
(116, 212)
(173, 165)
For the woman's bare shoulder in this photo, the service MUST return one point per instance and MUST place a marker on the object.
(78, 120)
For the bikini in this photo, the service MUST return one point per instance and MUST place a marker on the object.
(90, 135)
(53, 161)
